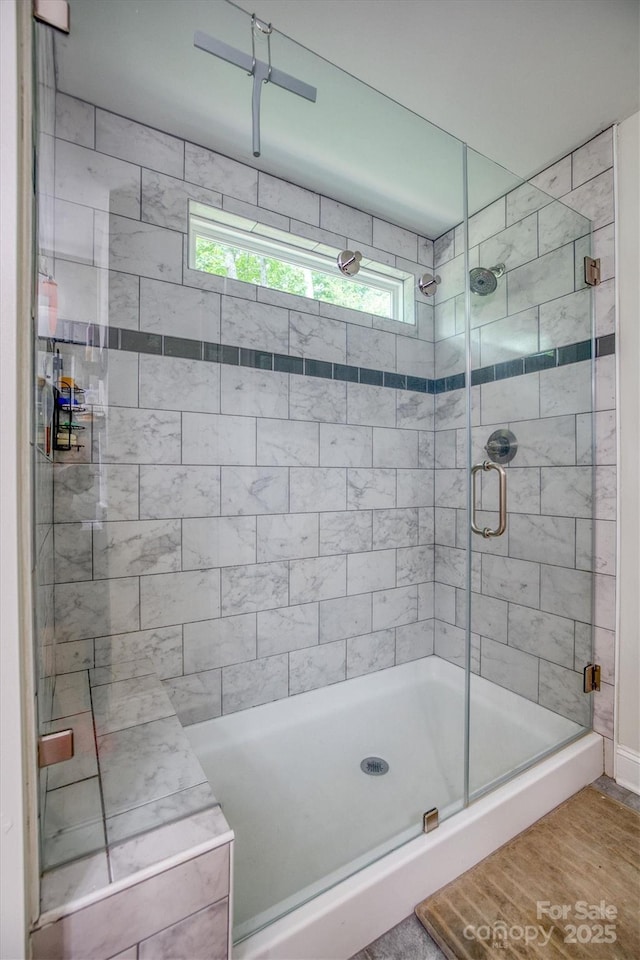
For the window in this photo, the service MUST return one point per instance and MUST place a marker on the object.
(228, 245)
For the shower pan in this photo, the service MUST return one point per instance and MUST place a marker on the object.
(334, 552)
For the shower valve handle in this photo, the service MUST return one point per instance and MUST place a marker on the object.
(427, 284)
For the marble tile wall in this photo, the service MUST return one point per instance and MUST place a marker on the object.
(254, 532)
(533, 603)
(133, 798)
(181, 912)
(203, 517)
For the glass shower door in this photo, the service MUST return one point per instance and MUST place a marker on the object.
(253, 510)
(530, 348)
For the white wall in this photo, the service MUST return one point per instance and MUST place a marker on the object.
(12, 826)
(628, 726)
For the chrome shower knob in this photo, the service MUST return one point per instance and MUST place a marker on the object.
(349, 262)
(428, 284)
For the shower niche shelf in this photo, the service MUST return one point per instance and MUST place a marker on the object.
(69, 403)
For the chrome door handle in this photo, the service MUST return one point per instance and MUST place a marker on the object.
(486, 532)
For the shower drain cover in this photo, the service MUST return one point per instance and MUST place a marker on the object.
(374, 766)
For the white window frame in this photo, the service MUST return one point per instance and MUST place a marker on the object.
(263, 240)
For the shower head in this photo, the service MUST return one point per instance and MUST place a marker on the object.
(484, 281)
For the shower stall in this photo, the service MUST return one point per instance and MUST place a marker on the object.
(313, 544)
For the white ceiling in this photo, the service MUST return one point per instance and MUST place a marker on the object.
(522, 81)
(517, 79)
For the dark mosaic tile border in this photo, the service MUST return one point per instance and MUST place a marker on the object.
(154, 343)
(556, 357)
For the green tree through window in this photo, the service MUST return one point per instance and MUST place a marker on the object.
(237, 264)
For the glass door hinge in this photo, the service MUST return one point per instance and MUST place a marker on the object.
(53, 12)
(430, 820)
(591, 677)
(591, 271)
(55, 747)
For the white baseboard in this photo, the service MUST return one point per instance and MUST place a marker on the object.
(628, 768)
